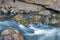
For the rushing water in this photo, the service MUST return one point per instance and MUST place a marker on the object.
(32, 31)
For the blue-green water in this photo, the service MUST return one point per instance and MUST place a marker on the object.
(32, 31)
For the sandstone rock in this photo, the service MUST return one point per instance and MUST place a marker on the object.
(12, 34)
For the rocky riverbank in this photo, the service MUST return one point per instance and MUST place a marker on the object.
(29, 12)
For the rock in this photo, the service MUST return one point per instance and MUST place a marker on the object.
(8, 37)
(24, 21)
(52, 4)
(4, 17)
(26, 6)
(36, 18)
(4, 10)
(23, 6)
(45, 12)
(18, 17)
(53, 21)
(44, 2)
(12, 34)
(55, 5)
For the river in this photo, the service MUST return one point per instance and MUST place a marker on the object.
(32, 31)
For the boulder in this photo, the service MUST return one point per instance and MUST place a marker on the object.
(44, 2)
(52, 4)
(12, 34)
(45, 12)
(18, 17)
(22, 6)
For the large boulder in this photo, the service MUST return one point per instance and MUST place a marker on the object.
(12, 34)
(52, 4)
(28, 5)
(22, 6)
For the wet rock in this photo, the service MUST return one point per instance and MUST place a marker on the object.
(24, 21)
(53, 21)
(4, 17)
(18, 17)
(12, 35)
(35, 19)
